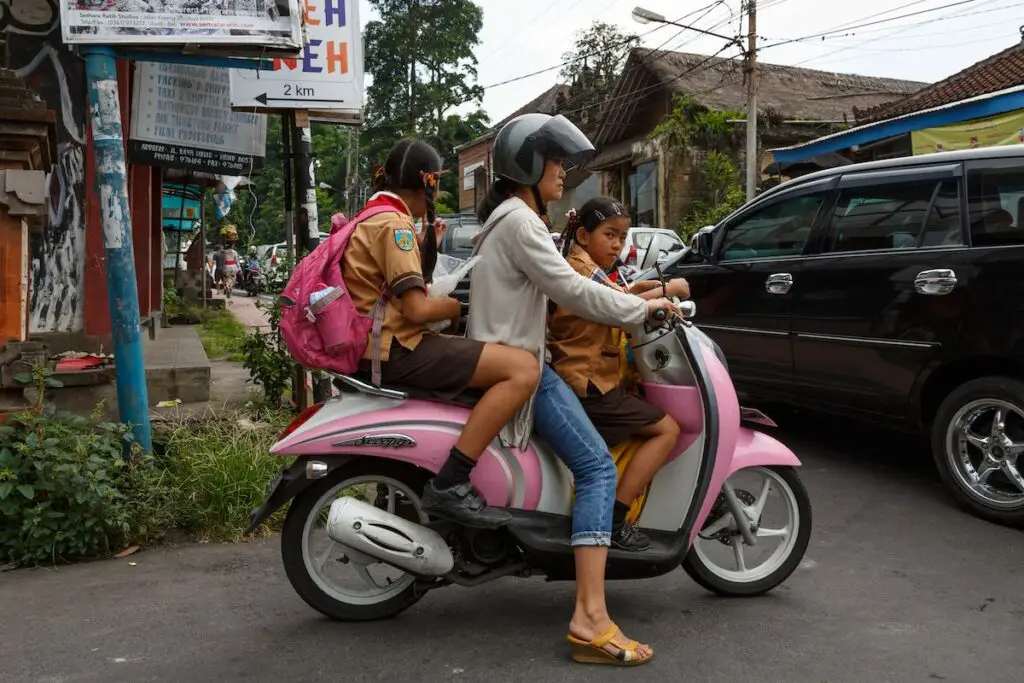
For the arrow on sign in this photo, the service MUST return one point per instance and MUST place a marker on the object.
(263, 99)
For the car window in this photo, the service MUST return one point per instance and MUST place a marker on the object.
(462, 236)
(778, 229)
(995, 200)
(890, 216)
(642, 240)
(895, 216)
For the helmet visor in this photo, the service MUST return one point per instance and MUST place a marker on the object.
(560, 139)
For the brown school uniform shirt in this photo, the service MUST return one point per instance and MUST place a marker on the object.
(583, 351)
(383, 250)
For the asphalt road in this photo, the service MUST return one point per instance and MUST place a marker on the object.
(897, 586)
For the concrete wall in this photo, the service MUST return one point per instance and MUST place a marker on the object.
(468, 157)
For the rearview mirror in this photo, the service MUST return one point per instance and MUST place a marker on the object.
(702, 243)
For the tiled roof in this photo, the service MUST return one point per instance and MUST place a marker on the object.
(718, 83)
(998, 72)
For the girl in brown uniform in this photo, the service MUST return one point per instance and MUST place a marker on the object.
(586, 355)
(385, 253)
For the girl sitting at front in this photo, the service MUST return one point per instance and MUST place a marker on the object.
(586, 355)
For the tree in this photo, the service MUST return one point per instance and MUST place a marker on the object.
(420, 57)
(592, 68)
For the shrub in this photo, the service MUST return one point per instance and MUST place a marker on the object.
(64, 483)
(266, 357)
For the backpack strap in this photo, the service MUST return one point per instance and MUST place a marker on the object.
(380, 307)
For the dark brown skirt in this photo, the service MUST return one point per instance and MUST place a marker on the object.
(619, 414)
(441, 365)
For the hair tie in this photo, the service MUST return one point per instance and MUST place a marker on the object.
(379, 174)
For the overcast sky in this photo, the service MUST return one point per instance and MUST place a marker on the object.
(523, 36)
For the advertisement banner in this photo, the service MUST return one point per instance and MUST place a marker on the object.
(326, 77)
(182, 118)
(250, 23)
(1002, 129)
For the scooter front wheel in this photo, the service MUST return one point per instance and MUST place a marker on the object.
(322, 572)
(721, 561)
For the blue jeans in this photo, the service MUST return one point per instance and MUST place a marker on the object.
(559, 419)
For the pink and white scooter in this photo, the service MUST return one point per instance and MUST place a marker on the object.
(362, 458)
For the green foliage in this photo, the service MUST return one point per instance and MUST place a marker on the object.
(719, 193)
(421, 60)
(691, 123)
(217, 469)
(592, 68)
(222, 334)
(266, 357)
(65, 484)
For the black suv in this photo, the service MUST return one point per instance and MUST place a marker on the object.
(889, 292)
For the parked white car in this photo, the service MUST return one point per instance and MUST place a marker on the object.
(646, 246)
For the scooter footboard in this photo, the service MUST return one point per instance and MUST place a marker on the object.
(757, 449)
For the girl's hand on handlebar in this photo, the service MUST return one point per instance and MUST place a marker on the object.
(659, 310)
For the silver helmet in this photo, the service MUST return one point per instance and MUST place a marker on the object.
(524, 144)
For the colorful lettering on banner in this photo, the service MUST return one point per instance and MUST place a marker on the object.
(320, 55)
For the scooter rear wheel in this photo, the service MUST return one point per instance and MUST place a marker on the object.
(309, 568)
(721, 528)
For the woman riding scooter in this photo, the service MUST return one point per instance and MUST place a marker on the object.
(519, 270)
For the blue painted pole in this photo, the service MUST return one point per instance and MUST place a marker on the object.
(115, 215)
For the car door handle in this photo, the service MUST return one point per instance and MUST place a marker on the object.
(935, 282)
(778, 283)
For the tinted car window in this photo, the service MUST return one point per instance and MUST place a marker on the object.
(895, 216)
(778, 229)
(996, 206)
(462, 236)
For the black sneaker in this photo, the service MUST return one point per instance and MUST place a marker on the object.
(628, 537)
(463, 504)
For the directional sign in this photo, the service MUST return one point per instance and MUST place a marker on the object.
(326, 77)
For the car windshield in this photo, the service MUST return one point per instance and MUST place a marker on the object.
(462, 236)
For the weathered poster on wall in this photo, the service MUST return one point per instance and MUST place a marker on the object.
(255, 23)
(182, 118)
(326, 77)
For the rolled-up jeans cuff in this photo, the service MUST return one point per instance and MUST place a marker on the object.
(591, 538)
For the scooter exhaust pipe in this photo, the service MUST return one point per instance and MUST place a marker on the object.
(389, 538)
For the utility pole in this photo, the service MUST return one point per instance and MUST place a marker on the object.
(751, 72)
(308, 224)
(119, 254)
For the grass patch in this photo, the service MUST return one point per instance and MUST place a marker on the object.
(216, 470)
(222, 335)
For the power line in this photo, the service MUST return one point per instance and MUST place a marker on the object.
(870, 23)
(581, 57)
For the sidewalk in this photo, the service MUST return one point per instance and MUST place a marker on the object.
(244, 308)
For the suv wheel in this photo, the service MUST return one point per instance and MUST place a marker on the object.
(977, 439)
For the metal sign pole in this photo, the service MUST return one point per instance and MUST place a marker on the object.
(115, 215)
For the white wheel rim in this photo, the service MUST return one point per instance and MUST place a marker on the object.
(316, 562)
(786, 535)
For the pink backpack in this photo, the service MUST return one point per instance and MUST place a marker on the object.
(326, 332)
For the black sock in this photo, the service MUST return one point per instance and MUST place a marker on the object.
(619, 513)
(455, 470)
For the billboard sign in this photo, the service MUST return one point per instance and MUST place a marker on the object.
(326, 77)
(1002, 129)
(250, 23)
(182, 118)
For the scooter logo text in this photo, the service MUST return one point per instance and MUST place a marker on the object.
(380, 441)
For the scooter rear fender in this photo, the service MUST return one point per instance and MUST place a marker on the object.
(290, 482)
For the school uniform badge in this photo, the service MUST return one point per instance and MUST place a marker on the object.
(405, 239)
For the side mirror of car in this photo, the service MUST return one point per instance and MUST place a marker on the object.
(703, 242)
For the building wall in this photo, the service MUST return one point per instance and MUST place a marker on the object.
(37, 55)
(469, 157)
(68, 288)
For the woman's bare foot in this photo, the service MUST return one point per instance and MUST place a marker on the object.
(588, 628)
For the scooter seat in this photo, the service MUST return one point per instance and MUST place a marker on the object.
(467, 398)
